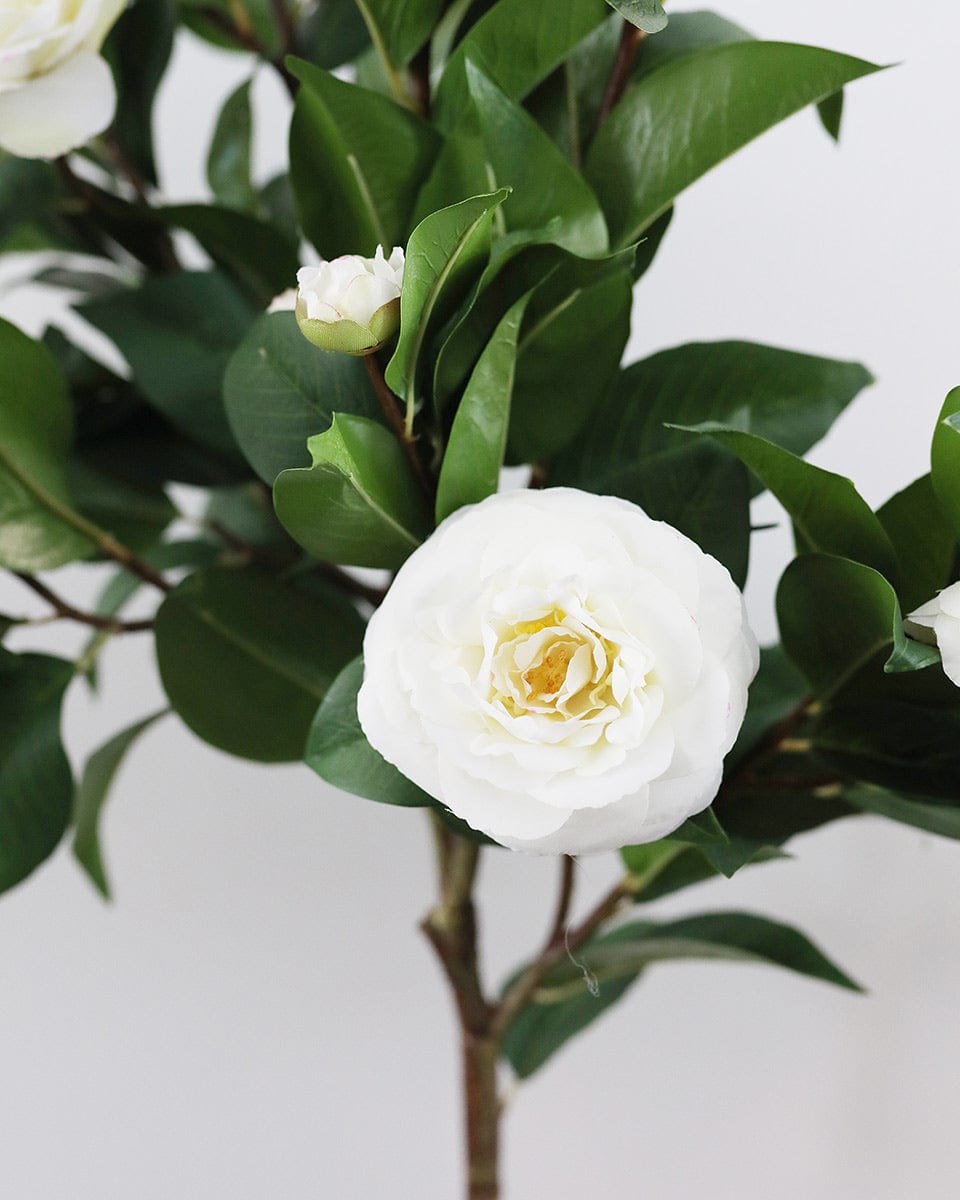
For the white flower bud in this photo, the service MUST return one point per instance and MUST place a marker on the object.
(351, 304)
(938, 622)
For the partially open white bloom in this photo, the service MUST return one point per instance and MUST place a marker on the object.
(562, 672)
(938, 621)
(351, 304)
(56, 92)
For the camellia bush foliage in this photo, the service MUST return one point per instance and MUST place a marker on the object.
(476, 190)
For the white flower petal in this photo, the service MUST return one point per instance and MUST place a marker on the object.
(59, 111)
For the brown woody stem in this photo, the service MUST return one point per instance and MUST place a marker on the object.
(630, 40)
(390, 407)
(68, 612)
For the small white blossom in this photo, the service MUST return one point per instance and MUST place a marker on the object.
(351, 304)
(56, 91)
(285, 302)
(562, 672)
(938, 622)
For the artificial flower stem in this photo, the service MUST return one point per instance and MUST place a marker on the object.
(630, 40)
(66, 611)
(389, 406)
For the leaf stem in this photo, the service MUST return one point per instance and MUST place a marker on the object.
(67, 611)
(389, 406)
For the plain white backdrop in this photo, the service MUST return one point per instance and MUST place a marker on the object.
(256, 1016)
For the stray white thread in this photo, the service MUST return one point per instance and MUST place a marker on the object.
(593, 984)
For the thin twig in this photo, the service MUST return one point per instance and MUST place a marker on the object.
(568, 866)
(63, 609)
(389, 406)
(630, 40)
(245, 39)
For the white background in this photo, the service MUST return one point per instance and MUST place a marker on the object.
(256, 1015)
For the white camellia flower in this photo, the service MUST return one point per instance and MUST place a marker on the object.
(351, 304)
(562, 672)
(938, 622)
(56, 92)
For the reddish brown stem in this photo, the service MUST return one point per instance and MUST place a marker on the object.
(630, 40)
(390, 407)
(68, 612)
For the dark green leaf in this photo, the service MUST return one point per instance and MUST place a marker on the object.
(836, 615)
(138, 49)
(279, 390)
(515, 47)
(357, 162)
(675, 124)
(339, 753)
(228, 160)
(791, 399)
(941, 819)
(333, 33)
(403, 25)
(568, 358)
(661, 868)
(647, 15)
(177, 333)
(945, 458)
(443, 259)
(831, 114)
(245, 513)
(36, 787)
(778, 690)
(828, 513)
(924, 540)
(36, 214)
(358, 504)
(687, 33)
(474, 455)
(245, 660)
(699, 489)
(35, 435)
(136, 516)
(95, 783)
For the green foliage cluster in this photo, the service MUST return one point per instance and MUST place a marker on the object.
(529, 162)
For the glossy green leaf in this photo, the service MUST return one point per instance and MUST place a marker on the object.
(478, 439)
(687, 33)
(574, 993)
(279, 391)
(136, 516)
(568, 358)
(945, 458)
(444, 257)
(836, 615)
(339, 752)
(675, 124)
(828, 513)
(647, 15)
(35, 435)
(402, 25)
(36, 786)
(177, 333)
(789, 398)
(95, 783)
(515, 47)
(138, 50)
(664, 867)
(333, 33)
(924, 539)
(245, 659)
(261, 259)
(941, 819)
(358, 504)
(357, 161)
(228, 159)
(698, 489)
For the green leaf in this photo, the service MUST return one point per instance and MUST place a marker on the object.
(516, 152)
(474, 455)
(924, 540)
(358, 504)
(830, 112)
(442, 260)
(35, 212)
(664, 867)
(576, 992)
(941, 819)
(827, 511)
(228, 159)
(569, 356)
(35, 435)
(687, 33)
(138, 50)
(245, 660)
(945, 458)
(778, 690)
(836, 615)
(339, 752)
(177, 333)
(402, 25)
(789, 398)
(279, 390)
(647, 15)
(699, 489)
(36, 786)
(333, 33)
(702, 829)
(136, 516)
(516, 47)
(675, 124)
(260, 258)
(357, 162)
(95, 783)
